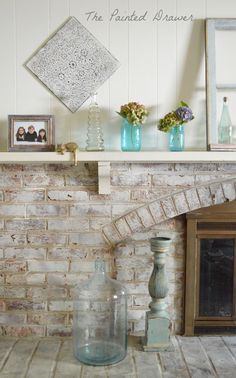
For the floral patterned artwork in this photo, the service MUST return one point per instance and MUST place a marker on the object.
(73, 64)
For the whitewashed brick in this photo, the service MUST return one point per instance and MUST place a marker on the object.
(10, 239)
(125, 275)
(46, 293)
(115, 196)
(62, 279)
(25, 224)
(133, 221)
(227, 167)
(123, 227)
(47, 237)
(96, 224)
(157, 212)
(124, 250)
(82, 180)
(46, 318)
(192, 199)
(87, 238)
(25, 253)
(129, 179)
(8, 318)
(67, 195)
(86, 266)
(217, 193)
(136, 314)
(58, 330)
(152, 167)
(145, 216)
(56, 279)
(119, 209)
(14, 279)
(205, 178)
(172, 180)
(14, 292)
(42, 179)
(12, 210)
(22, 331)
(35, 278)
(168, 207)
(60, 305)
(143, 275)
(18, 195)
(23, 304)
(204, 196)
(68, 224)
(46, 210)
(47, 266)
(137, 288)
(186, 168)
(141, 300)
(10, 180)
(111, 234)
(142, 250)
(144, 195)
(91, 209)
(64, 253)
(229, 190)
(180, 203)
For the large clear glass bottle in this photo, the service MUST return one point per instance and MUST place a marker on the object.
(100, 319)
(95, 140)
(225, 125)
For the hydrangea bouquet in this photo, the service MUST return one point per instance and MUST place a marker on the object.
(134, 112)
(181, 115)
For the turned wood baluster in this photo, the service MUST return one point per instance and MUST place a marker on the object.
(157, 333)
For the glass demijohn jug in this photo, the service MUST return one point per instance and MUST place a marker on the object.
(95, 140)
(100, 319)
(225, 125)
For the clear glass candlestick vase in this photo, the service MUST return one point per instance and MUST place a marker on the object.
(95, 141)
(100, 320)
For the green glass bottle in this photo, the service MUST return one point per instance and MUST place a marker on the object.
(225, 125)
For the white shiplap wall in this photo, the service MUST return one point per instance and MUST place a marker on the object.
(161, 63)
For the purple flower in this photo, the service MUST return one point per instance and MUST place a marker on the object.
(184, 113)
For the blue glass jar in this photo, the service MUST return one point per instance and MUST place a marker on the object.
(176, 138)
(130, 137)
(100, 320)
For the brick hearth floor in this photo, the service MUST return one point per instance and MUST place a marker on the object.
(191, 357)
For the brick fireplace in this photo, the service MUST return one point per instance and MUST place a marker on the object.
(54, 225)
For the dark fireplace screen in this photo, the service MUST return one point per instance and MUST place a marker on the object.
(216, 281)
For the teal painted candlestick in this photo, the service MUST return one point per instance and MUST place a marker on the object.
(158, 324)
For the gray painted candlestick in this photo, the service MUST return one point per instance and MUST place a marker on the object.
(158, 324)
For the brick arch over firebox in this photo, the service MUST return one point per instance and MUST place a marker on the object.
(169, 206)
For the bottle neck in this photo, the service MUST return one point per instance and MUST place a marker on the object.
(94, 98)
(100, 266)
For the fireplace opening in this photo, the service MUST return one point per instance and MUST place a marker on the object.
(211, 270)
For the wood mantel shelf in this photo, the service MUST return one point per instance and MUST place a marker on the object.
(104, 158)
(118, 156)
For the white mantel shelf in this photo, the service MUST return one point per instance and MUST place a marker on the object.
(118, 156)
(104, 158)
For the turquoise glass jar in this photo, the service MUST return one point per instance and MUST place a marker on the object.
(100, 320)
(130, 137)
(176, 138)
